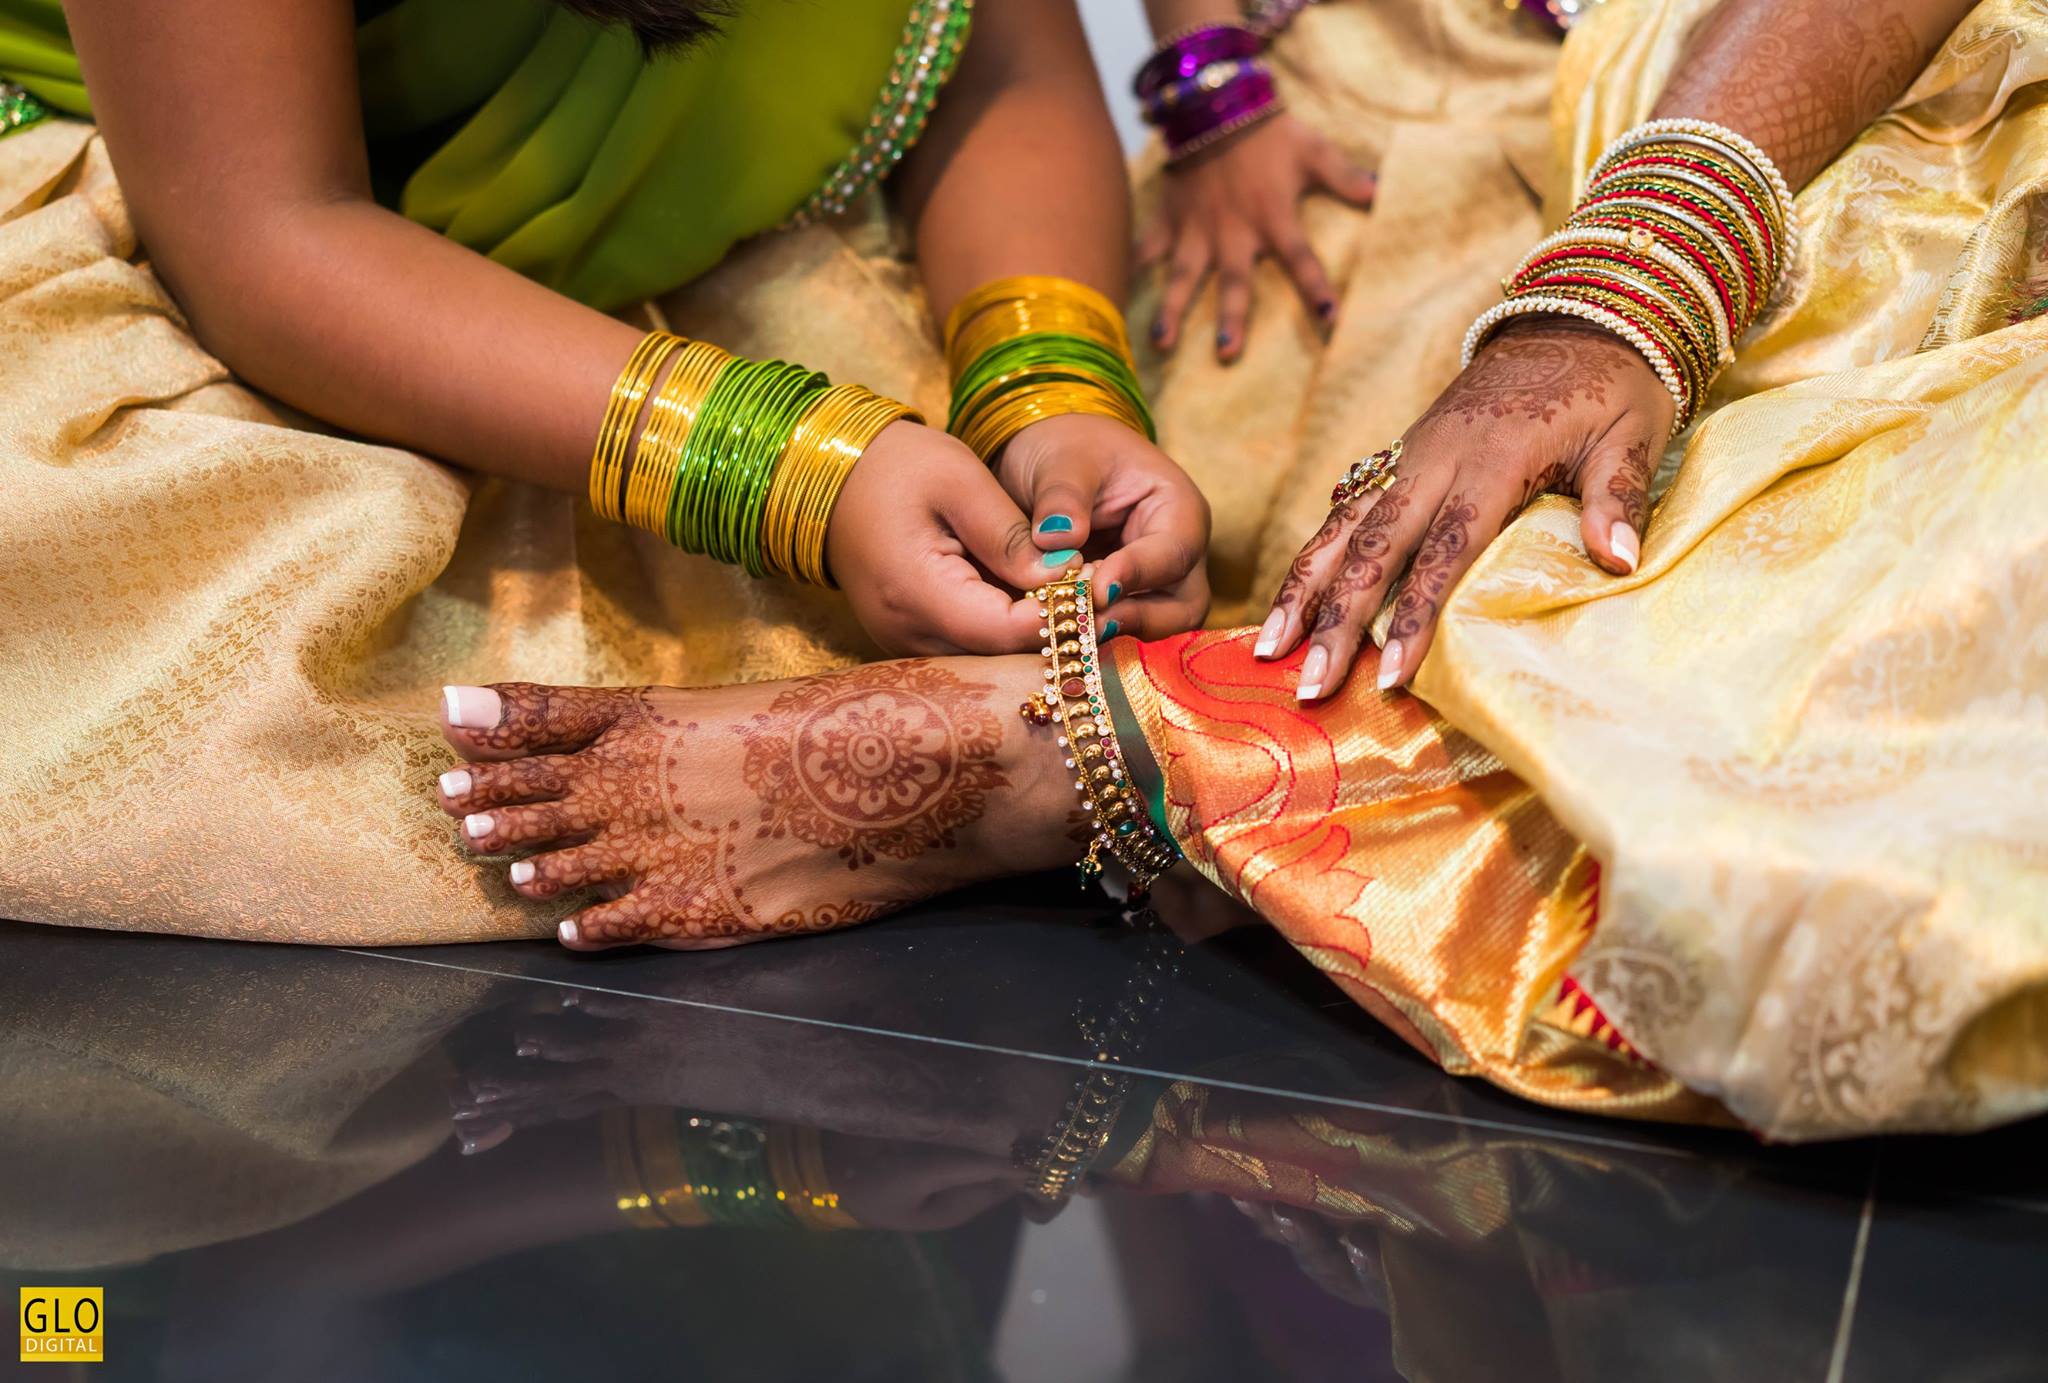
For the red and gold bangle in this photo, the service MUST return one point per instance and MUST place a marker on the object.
(1694, 297)
(1710, 198)
(1737, 240)
(1638, 307)
(1681, 165)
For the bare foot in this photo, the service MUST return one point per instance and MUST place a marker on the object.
(715, 816)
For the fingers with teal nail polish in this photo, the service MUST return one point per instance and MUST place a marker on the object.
(1114, 591)
(1109, 629)
(1055, 523)
(1060, 557)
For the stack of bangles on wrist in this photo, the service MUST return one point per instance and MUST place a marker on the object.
(1204, 85)
(1682, 236)
(741, 460)
(671, 1170)
(1074, 700)
(1031, 347)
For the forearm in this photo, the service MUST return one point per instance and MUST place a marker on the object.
(1804, 77)
(1172, 16)
(1019, 171)
(368, 321)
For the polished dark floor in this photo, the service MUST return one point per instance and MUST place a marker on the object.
(259, 1152)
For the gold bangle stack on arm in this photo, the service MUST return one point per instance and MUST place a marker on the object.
(645, 1162)
(796, 1164)
(660, 452)
(621, 417)
(829, 439)
(1374, 472)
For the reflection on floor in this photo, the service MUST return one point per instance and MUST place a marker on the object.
(804, 1161)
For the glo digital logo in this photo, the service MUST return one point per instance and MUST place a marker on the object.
(63, 1325)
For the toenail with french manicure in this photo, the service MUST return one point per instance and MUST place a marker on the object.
(477, 825)
(522, 872)
(455, 782)
(471, 708)
(567, 931)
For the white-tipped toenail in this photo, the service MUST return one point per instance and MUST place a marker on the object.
(478, 825)
(567, 931)
(455, 782)
(522, 872)
(471, 708)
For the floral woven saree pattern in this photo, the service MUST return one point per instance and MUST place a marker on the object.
(1807, 742)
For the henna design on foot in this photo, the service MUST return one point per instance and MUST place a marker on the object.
(887, 759)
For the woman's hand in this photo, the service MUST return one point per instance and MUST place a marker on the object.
(919, 522)
(1550, 405)
(1096, 489)
(1231, 205)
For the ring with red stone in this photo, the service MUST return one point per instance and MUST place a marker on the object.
(1374, 472)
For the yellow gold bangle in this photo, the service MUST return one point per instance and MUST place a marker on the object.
(651, 485)
(828, 440)
(622, 1166)
(622, 412)
(992, 427)
(796, 1162)
(1028, 292)
(673, 1199)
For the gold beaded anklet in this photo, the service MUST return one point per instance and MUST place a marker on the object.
(1073, 696)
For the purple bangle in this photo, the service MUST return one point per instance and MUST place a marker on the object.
(1222, 112)
(1183, 55)
(1161, 104)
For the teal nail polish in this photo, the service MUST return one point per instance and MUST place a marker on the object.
(1055, 523)
(1109, 630)
(1114, 591)
(1060, 558)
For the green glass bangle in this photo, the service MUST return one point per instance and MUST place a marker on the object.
(729, 458)
(733, 1187)
(768, 429)
(704, 453)
(1048, 349)
(1046, 355)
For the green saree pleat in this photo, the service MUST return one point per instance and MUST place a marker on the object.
(574, 159)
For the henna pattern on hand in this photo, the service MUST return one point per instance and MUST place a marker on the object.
(1366, 556)
(1535, 372)
(1436, 561)
(1294, 588)
(1557, 478)
(1630, 484)
(888, 759)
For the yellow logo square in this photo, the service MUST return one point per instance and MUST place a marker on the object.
(63, 1325)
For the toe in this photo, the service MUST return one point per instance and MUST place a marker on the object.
(643, 918)
(559, 1038)
(511, 720)
(504, 829)
(515, 782)
(559, 871)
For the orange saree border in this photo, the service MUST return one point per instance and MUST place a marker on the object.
(1401, 858)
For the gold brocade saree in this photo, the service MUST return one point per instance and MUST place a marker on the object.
(1806, 744)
